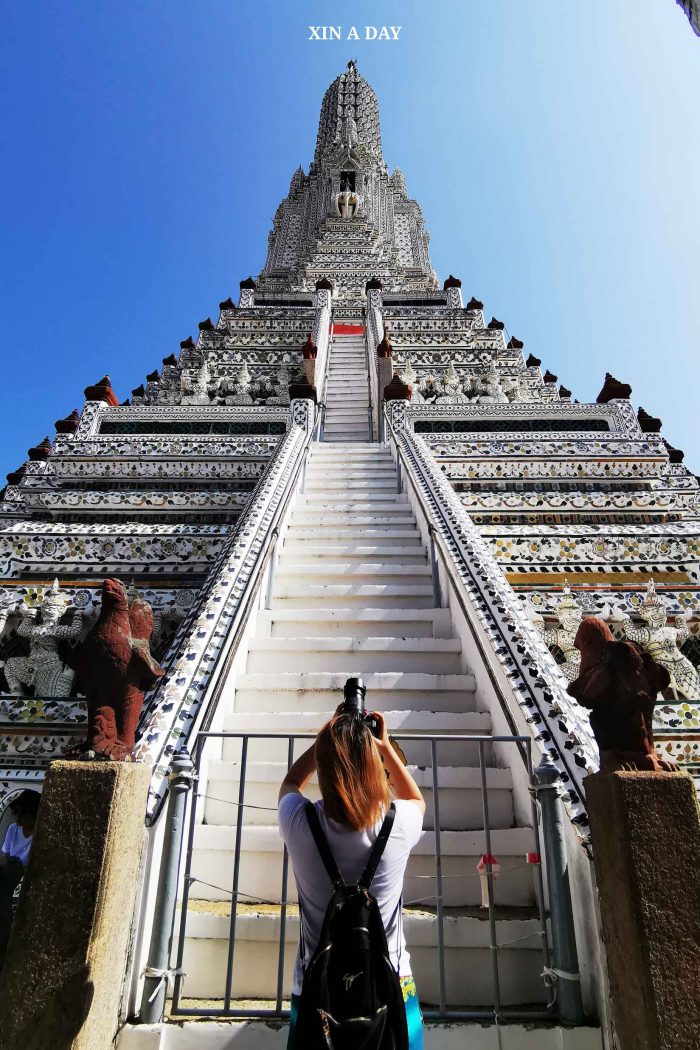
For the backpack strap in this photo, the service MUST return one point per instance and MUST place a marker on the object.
(375, 856)
(322, 845)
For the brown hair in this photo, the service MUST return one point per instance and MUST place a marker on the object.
(350, 773)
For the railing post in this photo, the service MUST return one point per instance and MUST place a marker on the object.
(157, 973)
(565, 957)
(273, 566)
(434, 569)
(399, 479)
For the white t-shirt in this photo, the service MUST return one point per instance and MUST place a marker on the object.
(17, 844)
(351, 851)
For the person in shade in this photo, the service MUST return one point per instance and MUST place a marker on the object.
(14, 856)
(358, 773)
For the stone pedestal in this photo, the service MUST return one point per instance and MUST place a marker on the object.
(645, 831)
(61, 983)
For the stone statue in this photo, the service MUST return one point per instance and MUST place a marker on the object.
(44, 668)
(242, 389)
(619, 682)
(569, 614)
(451, 386)
(194, 390)
(351, 136)
(116, 667)
(662, 643)
(348, 204)
(490, 390)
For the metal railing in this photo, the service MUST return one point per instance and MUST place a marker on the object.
(164, 965)
(438, 545)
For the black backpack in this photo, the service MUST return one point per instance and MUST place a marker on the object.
(351, 997)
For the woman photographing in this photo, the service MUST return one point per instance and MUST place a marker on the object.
(352, 850)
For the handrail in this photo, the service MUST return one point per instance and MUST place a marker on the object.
(230, 1007)
(374, 393)
(574, 774)
(178, 691)
(370, 383)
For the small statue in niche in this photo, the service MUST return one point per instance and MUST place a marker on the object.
(569, 614)
(242, 390)
(619, 683)
(490, 391)
(44, 667)
(452, 386)
(116, 667)
(194, 389)
(662, 642)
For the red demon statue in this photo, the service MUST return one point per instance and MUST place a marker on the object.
(115, 667)
(619, 683)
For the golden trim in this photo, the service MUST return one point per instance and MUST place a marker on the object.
(581, 580)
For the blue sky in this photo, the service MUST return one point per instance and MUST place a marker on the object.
(553, 147)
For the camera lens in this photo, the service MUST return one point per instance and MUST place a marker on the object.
(354, 692)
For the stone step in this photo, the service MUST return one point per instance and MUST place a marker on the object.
(261, 865)
(358, 623)
(429, 655)
(346, 418)
(355, 523)
(338, 387)
(404, 555)
(322, 480)
(379, 537)
(379, 452)
(383, 498)
(341, 436)
(468, 970)
(337, 419)
(339, 440)
(305, 691)
(344, 428)
(263, 1034)
(318, 472)
(347, 408)
(355, 457)
(461, 806)
(378, 596)
(342, 499)
(338, 504)
(352, 520)
(346, 402)
(292, 568)
(307, 714)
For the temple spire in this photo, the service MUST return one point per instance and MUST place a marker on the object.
(349, 118)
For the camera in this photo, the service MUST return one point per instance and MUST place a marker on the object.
(354, 692)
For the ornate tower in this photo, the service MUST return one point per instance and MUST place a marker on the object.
(348, 219)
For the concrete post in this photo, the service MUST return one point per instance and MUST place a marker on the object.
(645, 832)
(61, 984)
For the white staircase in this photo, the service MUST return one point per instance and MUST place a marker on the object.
(347, 391)
(353, 596)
